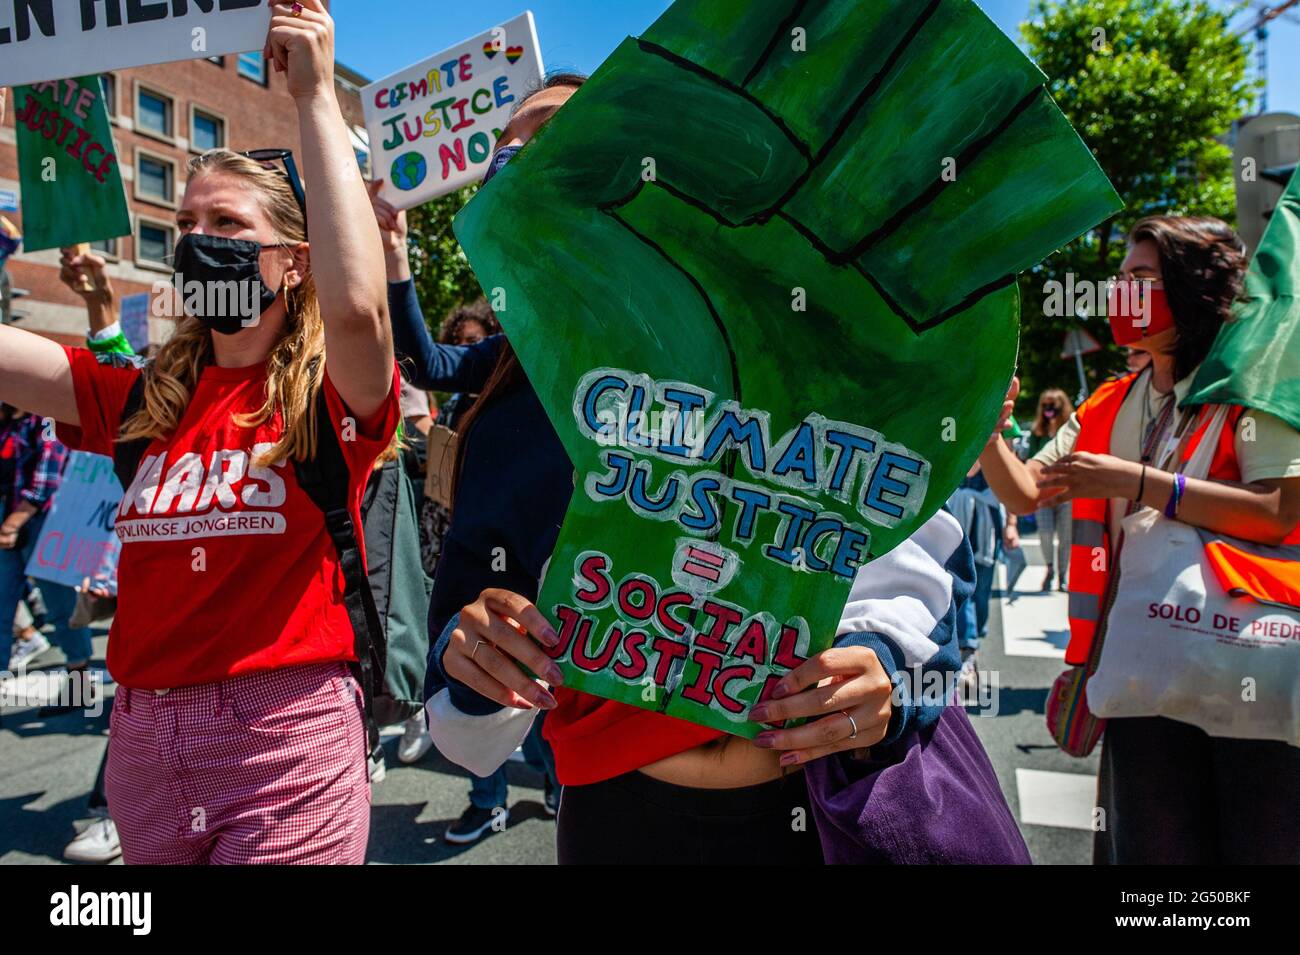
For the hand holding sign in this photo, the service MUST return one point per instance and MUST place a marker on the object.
(83, 272)
(301, 44)
(846, 694)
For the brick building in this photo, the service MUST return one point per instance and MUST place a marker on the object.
(162, 115)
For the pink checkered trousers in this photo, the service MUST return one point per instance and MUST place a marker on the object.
(264, 768)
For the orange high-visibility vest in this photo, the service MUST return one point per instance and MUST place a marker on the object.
(1091, 548)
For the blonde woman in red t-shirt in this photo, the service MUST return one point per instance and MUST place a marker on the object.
(238, 732)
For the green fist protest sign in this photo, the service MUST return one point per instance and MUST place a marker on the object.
(761, 272)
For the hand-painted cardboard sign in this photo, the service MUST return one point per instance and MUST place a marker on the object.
(761, 272)
(42, 39)
(77, 540)
(433, 125)
(67, 165)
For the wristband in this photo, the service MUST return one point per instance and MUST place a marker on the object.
(1176, 498)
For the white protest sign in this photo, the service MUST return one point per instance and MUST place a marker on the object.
(433, 125)
(134, 317)
(49, 39)
(77, 539)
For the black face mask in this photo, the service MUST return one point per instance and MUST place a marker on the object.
(499, 160)
(215, 262)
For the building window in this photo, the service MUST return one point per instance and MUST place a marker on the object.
(154, 113)
(207, 131)
(108, 87)
(155, 178)
(105, 247)
(361, 148)
(154, 244)
(252, 67)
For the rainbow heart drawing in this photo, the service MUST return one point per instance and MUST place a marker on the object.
(513, 53)
(490, 49)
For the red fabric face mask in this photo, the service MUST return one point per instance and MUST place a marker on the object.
(1137, 311)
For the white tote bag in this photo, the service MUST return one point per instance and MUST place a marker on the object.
(1177, 645)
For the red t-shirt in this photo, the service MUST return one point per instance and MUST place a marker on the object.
(226, 567)
(596, 739)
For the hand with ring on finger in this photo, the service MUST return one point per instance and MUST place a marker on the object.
(845, 694)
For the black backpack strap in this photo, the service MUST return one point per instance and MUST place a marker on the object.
(127, 455)
(326, 480)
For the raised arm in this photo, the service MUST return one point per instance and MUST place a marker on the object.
(429, 365)
(35, 376)
(346, 257)
(432, 366)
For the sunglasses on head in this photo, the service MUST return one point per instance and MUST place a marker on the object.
(268, 157)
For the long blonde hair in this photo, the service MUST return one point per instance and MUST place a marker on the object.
(295, 368)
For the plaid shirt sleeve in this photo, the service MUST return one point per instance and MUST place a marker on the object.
(49, 468)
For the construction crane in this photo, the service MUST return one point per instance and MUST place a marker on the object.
(1264, 15)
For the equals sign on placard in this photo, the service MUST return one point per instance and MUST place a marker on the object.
(703, 564)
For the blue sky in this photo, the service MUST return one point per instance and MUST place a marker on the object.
(381, 38)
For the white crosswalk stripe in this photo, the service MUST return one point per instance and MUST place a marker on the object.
(1056, 799)
(1034, 624)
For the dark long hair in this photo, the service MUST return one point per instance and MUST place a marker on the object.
(508, 371)
(1203, 262)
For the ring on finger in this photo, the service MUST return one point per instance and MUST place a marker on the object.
(853, 724)
(475, 650)
(295, 10)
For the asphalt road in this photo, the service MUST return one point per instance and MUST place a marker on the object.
(49, 766)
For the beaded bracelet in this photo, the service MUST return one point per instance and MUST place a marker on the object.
(1176, 499)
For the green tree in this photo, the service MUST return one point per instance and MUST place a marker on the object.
(1151, 86)
(442, 274)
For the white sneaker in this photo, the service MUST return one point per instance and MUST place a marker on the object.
(415, 740)
(24, 651)
(377, 768)
(98, 842)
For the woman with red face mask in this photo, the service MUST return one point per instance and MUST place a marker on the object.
(1172, 793)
